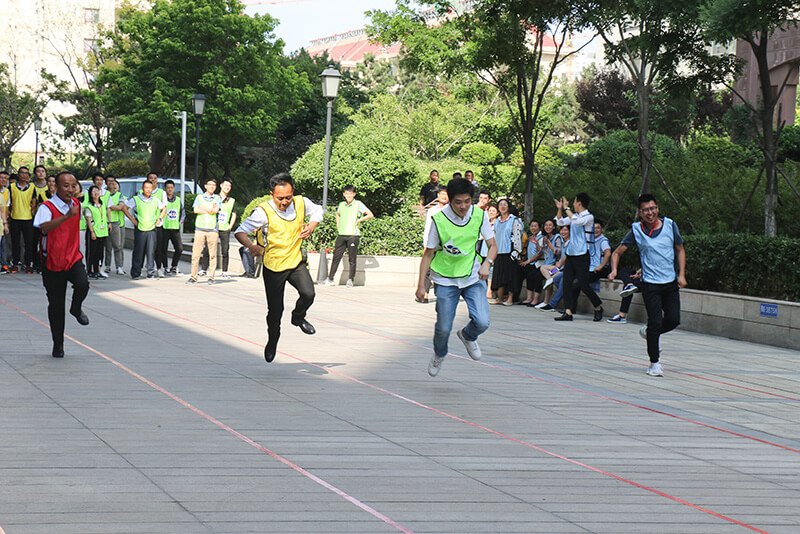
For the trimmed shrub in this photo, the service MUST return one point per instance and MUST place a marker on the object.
(123, 168)
(479, 153)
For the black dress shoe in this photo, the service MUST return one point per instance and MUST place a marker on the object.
(598, 315)
(269, 351)
(58, 351)
(81, 317)
(564, 317)
(305, 327)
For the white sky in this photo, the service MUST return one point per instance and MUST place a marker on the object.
(304, 20)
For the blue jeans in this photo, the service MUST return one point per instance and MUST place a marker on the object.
(446, 304)
(559, 289)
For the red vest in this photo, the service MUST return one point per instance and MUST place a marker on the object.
(61, 245)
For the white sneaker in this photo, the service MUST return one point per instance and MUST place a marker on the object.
(547, 283)
(225, 275)
(349, 283)
(327, 282)
(107, 268)
(472, 347)
(103, 274)
(617, 319)
(120, 270)
(541, 305)
(655, 369)
(435, 365)
(201, 273)
(160, 273)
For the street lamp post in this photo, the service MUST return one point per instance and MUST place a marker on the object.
(182, 116)
(37, 125)
(330, 88)
(198, 106)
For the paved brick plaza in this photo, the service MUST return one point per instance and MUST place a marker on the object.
(164, 418)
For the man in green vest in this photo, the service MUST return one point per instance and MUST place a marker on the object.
(457, 270)
(227, 218)
(170, 232)
(206, 230)
(115, 244)
(149, 213)
(349, 214)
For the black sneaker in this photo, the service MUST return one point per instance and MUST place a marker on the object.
(598, 315)
(564, 317)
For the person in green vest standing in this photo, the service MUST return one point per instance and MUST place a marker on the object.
(170, 232)
(458, 271)
(349, 214)
(206, 230)
(96, 213)
(115, 244)
(149, 213)
(227, 218)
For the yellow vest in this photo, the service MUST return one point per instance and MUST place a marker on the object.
(21, 202)
(282, 250)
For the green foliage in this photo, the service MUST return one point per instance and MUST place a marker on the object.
(181, 47)
(479, 153)
(19, 106)
(744, 264)
(188, 222)
(396, 235)
(123, 168)
(789, 146)
(371, 159)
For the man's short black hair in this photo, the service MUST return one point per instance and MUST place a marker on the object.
(23, 167)
(487, 193)
(535, 221)
(146, 182)
(229, 180)
(210, 180)
(584, 199)
(100, 174)
(645, 198)
(350, 187)
(168, 182)
(4, 172)
(62, 174)
(600, 222)
(283, 178)
(151, 173)
(38, 166)
(110, 176)
(459, 186)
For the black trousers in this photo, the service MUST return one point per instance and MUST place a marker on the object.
(164, 237)
(663, 305)
(578, 267)
(22, 229)
(55, 283)
(144, 248)
(224, 245)
(94, 249)
(625, 277)
(274, 286)
(349, 243)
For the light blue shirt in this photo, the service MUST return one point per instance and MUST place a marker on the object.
(657, 253)
(502, 234)
(601, 244)
(581, 232)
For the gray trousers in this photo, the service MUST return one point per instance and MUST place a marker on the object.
(115, 244)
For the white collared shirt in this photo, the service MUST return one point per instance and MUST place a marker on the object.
(44, 215)
(258, 219)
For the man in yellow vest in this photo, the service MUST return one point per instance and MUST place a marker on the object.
(23, 202)
(282, 221)
(451, 244)
(5, 206)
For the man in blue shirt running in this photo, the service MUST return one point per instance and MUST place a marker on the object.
(660, 248)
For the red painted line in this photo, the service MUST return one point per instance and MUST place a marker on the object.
(230, 430)
(539, 379)
(459, 419)
(606, 356)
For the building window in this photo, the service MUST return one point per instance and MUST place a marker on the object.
(90, 46)
(91, 16)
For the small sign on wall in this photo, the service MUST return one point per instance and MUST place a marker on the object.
(769, 310)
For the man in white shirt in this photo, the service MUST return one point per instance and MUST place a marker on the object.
(581, 235)
(281, 220)
(458, 271)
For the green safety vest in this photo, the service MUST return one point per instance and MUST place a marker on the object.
(172, 221)
(84, 205)
(99, 222)
(456, 258)
(224, 215)
(116, 216)
(206, 221)
(147, 213)
(348, 215)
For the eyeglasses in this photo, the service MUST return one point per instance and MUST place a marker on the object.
(648, 210)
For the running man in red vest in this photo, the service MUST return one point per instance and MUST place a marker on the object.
(59, 221)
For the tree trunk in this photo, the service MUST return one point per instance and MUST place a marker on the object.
(528, 157)
(769, 142)
(643, 97)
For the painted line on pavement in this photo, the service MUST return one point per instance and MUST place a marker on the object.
(227, 428)
(456, 418)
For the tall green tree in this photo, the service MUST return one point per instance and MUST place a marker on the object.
(182, 47)
(504, 42)
(657, 42)
(19, 106)
(755, 22)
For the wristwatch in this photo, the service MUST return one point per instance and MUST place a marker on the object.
(491, 262)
